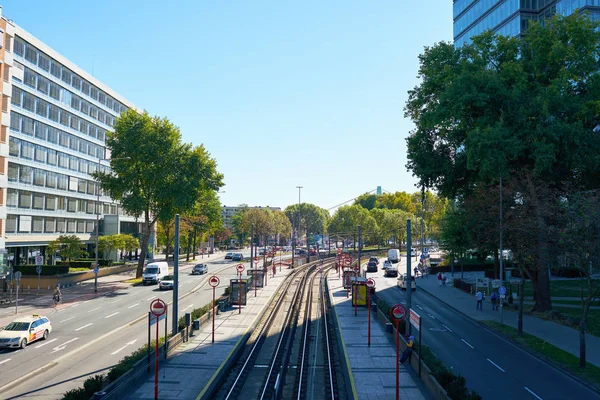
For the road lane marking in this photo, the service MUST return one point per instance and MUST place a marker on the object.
(116, 301)
(531, 391)
(45, 343)
(150, 298)
(191, 305)
(447, 327)
(62, 346)
(95, 309)
(65, 320)
(496, 365)
(467, 343)
(5, 361)
(85, 301)
(111, 315)
(135, 305)
(431, 316)
(75, 305)
(83, 327)
(126, 344)
(420, 308)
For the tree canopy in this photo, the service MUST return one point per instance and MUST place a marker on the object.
(312, 218)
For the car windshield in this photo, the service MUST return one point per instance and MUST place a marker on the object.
(168, 278)
(199, 266)
(151, 270)
(17, 326)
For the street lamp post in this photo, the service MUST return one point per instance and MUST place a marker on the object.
(298, 222)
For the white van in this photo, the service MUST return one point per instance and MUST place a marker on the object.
(155, 272)
(394, 256)
(402, 278)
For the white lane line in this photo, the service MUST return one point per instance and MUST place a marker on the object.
(63, 346)
(8, 359)
(496, 365)
(75, 305)
(85, 301)
(126, 344)
(135, 305)
(83, 327)
(190, 306)
(531, 391)
(150, 298)
(45, 343)
(467, 343)
(447, 327)
(431, 316)
(65, 320)
(420, 308)
(111, 315)
(116, 301)
(95, 309)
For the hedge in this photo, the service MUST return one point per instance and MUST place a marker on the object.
(47, 270)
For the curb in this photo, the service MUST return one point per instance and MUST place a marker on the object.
(507, 339)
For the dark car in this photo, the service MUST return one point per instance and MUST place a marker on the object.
(372, 266)
(238, 257)
(228, 256)
(375, 260)
(199, 269)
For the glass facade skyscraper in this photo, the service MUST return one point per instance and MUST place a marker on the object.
(510, 17)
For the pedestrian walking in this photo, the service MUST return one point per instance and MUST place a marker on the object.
(416, 271)
(410, 341)
(479, 296)
(444, 279)
(494, 298)
(439, 276)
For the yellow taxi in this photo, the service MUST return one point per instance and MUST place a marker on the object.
(25, 330)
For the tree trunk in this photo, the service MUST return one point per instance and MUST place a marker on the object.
(582, 327)
(543, 301)
(497, 265)
(195, 234)
(144, 244)
(189, 244)
(521, 299)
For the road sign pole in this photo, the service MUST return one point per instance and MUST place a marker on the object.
(156, 361)
(240, 294)
(39, 273)
(149, 341)
(420, 344)
(174, 326)
(369, 314)
(408, 270)
(213, 315)
(397, 360)
(166, 327)
(17, 300)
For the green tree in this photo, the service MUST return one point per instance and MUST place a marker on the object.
(367, 200)
(312, 218)
(240, 231)
(522, 108)
(399, 200)
(347, 219)
(69, 247)
(281, 225)
(204, 218)
(153, 174)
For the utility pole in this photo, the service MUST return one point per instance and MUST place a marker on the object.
(422, 217)
(251, 247)
(408, 273)
(501, 256)
(359, 246)
(298, 221)
(176, 278)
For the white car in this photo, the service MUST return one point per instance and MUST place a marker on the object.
(25, 330)
(386, 264)
(167, 283)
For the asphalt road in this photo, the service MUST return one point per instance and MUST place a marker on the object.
(91, 336)
(492, 366)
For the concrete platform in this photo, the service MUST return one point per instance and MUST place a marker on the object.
(373, 368)
(195, 365)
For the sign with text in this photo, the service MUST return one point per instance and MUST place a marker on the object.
(415, 319)
(483, 282)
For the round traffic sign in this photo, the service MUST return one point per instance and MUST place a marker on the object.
(339, 251)
(502, 290)
(158, 307)
(214, 281)
(356, 268)
(398, 312)
(39, 260)
(240, 268)
(370, 283)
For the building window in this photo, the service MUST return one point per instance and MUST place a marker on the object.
(41, 131)
(83, 166)
(39, 177)
(30, 78)
(61, 203)
(73, 163)
(25, 199)
(11, 224)
(80, 226)
(55, 69)
(15, 121)
(52, 135)
(94, 93)
(85, 107)
(71, 225)
(24, 223)
(13, 172)
(54, 91)
(82, 186)
(19, 46)
(12, 198)
(38, 224)
(102, 97)
(38, 201)
(60, 225)
(50, 225)
(76, 82)
(42, 108)
(27, 150)
(85, 88)
(66, 75)
(50, 202)
(75, 102)
(90, 207)
(43, 85)
(91, 187)
(16, 96)
(71, 205)
(27, 125)
(43, 62)
(63, 160)
(63, 139)
(7, 46)
(31, 54)
(53, 113)
(28, 102)
(40, 154)
(51, 157)
(64, 117)
(73, 183)
(62, 182)
(51, 179)
(14, 146)
(25, 174)
(90, 227)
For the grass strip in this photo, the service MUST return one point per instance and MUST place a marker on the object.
(563, 359)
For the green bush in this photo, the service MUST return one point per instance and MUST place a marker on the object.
(47, 270)
(128, 361)
(101, 263)
(76, 394)
(91, 385)
(197, 313)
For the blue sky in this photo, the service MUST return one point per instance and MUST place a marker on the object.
(281, 93)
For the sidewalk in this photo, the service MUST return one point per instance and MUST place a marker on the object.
(373, 368)
(558, 335)
(194, 365)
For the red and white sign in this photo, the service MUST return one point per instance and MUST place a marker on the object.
(214, 281)
(370, 283)
(339, 251)
(398, 312)
(255, 260)
(356, 268)
(415, 319)
(240, 268)
(158, 307)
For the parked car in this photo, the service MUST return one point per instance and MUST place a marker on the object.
(166, 283)
(200, 269)
(238, 257)
(228, 256)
